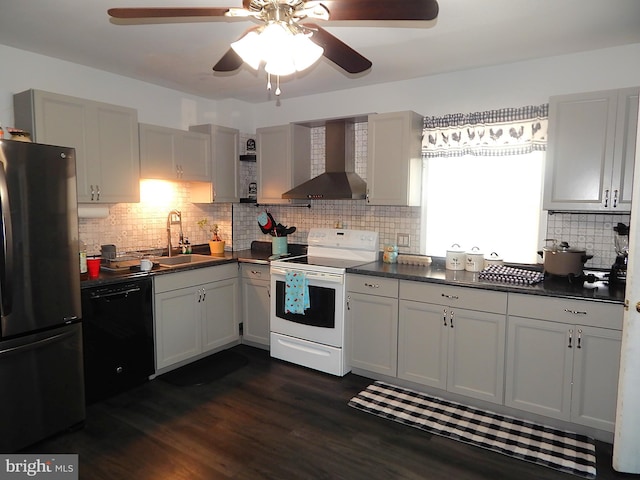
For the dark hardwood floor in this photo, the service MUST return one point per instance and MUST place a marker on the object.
(272, 420)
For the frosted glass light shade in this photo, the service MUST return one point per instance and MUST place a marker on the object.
(305, 52)
(282, 51)
(249, 49)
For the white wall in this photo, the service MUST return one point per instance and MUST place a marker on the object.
(515, 84)
(511, 85)
(23, 70)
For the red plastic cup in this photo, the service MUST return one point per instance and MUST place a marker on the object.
(93, 266)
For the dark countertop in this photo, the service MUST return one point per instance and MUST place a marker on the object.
(436, 273)
(258, 253)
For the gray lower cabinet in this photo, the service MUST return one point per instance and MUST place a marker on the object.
(195, 312)
(372, 323)
(256, 296)
(563, 359)
(444, 345)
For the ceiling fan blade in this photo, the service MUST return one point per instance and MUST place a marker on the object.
(337, 51)
(165, 12)
(229, 62)
(384, 10)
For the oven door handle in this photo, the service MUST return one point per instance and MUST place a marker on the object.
(311, 276)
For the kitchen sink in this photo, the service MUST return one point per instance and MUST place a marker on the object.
(187, 259)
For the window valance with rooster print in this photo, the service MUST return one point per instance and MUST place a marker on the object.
(508, 131)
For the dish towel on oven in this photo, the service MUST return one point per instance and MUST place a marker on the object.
(296, 297)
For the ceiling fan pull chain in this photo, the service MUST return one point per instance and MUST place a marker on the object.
(268, 82)
(278, 92)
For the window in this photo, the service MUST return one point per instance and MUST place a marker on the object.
(492, 202)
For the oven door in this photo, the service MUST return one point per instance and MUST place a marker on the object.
(323, 321)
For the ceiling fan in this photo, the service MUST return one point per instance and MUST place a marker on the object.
(297, 19)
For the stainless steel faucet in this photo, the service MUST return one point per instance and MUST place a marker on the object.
(174, 217)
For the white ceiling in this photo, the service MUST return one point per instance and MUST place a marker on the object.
(467, 34)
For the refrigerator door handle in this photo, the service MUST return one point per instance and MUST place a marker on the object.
(6, 252)
(35, 345)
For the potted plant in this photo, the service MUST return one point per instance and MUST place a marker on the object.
(216, 244)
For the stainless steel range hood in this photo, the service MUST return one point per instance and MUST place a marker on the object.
(339, 181)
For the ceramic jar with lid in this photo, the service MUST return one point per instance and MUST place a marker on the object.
(390, 254)
(456, 258)
(474, 261)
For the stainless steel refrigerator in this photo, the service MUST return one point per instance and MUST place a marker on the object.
(41, 368)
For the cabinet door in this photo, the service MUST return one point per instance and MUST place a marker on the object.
(596, 365)
(476, 354)
(220, 324)
(223, 185)
(423, 331)
(373, 332)
(117, 154)
(194, 156)
(178, 326)
(284, 160)
(580, 152)
(591, 151)
(62, 120)
(394, 163)
(256, 297)
(539, 367)
(624, 160)
(225, 175)
(157, 152)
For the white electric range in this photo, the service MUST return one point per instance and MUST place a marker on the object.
(316, 336)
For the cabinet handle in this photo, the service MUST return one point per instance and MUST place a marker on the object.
(204, 294)
(371, 285)
(452, 297)
(606, 198)
(615, 199)
(579, 343)
(269, 292)
(574, 312)
(570, 338)
(98, 192)
(451, 319)
(444, 317)
(92, 192)
(256, 272)
(348, 302)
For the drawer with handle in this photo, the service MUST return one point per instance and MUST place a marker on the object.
(583, 312)
(384, 287)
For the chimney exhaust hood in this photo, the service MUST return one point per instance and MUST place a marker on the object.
(339, 181)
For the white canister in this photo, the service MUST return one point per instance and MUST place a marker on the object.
(493, 259)
(456, 258)
(475, 260)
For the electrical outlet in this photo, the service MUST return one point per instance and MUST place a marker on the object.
(403, 240)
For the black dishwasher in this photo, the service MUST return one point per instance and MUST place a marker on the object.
(118, 337)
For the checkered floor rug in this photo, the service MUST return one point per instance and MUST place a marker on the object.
(565, 451)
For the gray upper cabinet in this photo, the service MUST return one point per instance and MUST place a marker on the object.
(172, 154)
(104, 136)
(225, 186)
(591, 151)
(394, 163)
(284, 160)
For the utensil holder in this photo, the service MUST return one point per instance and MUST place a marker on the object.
(278, 245)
